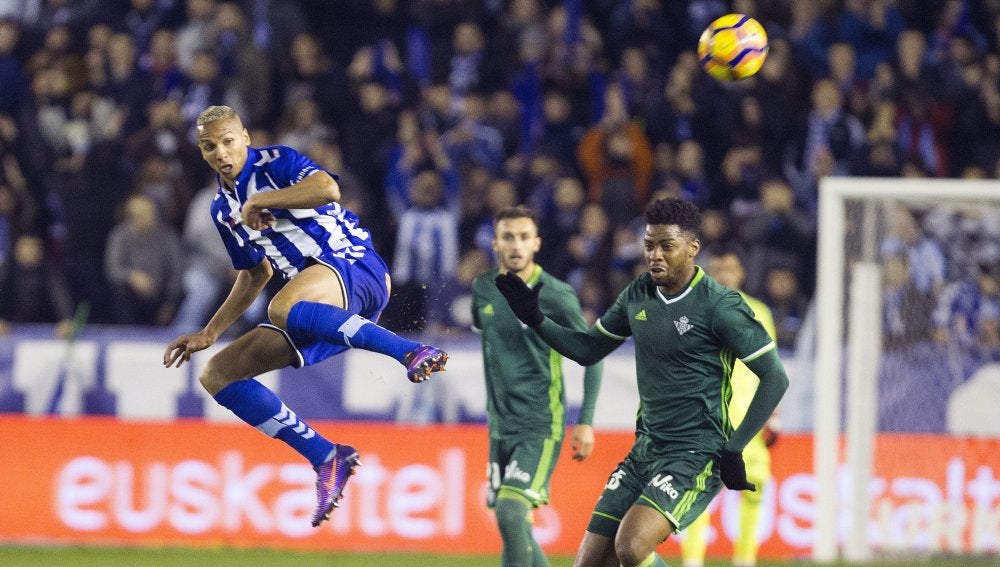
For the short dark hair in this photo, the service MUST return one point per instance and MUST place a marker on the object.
(515, 212)
(675, 211)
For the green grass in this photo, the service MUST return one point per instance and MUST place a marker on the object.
(133, 557)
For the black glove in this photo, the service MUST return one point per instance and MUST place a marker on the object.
(522, 299)
(733, 471)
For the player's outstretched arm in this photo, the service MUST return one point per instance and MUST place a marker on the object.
(248, 285)
(585, 347)
(773, 383)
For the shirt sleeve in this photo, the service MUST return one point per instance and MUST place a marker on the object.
(288, 167)
(614, 323)
(736, 325)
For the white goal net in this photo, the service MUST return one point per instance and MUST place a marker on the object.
(907, 369)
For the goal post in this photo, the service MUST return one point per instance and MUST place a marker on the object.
(853, 223)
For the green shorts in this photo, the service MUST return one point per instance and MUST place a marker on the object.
(677, 483)
(522, 468)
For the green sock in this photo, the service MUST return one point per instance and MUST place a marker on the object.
(515, 532)
(537, 554)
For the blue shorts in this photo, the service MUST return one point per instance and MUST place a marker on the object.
(365, 282)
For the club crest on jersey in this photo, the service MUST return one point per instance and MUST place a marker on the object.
(683, 325)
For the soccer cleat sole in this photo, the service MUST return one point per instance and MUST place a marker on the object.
(429, 366)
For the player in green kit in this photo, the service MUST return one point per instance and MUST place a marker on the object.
(526, 399)
(689, 331)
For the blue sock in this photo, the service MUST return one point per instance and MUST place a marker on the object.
(311, 320)
(252, 402)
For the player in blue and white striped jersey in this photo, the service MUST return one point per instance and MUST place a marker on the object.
(276, 211)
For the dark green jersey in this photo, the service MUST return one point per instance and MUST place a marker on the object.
(525, 395)
(685, 347)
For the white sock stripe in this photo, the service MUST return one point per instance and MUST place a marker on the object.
(283, 414)
(271, 427)
(285, 418)
(349, 327)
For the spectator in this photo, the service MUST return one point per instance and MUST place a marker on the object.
(202, 84)
(788, 302)
(690, 173)
(165, 186)
(416, 148)
(367, 133)
(590, 247)
(558, 223)
(302, 125)
(14, 94)
(427, 250)
(500, 193)
(830, 144)
(872, 28)
(161, 63)
(776, 233)
(906, 309)
(560, 132)
(144, 266)
(354, 196)
(244, 69)
(470, 68)
(471, 141)
(142, 19)
(195, 35)
(967, 316)
(922, 128)
(307, 72)
(617, 159)
(122, 81)
(33, 288)
(164, 137)
(924, 254)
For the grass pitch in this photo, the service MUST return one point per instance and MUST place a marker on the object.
(17, 556)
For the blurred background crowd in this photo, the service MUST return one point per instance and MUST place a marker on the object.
(436, 113)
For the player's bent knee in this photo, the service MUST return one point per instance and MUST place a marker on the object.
(277, 312)
(631, 550)
(512, 515)
(213, 379)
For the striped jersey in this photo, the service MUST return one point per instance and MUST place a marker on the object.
(686, 347)
(328, 231)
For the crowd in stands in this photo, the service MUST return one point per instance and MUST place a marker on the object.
(436, 113)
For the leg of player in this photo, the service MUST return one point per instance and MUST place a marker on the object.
(745, 547)
(695, 541)
(642, 529)
(312, 306)
(758, 464)
(596, 551)
(512, 514)
(228, 377)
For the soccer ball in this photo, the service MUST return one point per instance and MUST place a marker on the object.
(733, 47)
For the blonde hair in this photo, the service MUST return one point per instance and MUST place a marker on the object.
(213, 113)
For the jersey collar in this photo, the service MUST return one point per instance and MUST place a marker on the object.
(698, 275)
(535, 276)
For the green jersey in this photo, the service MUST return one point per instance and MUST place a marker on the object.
(685, 349)
(525, 394)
